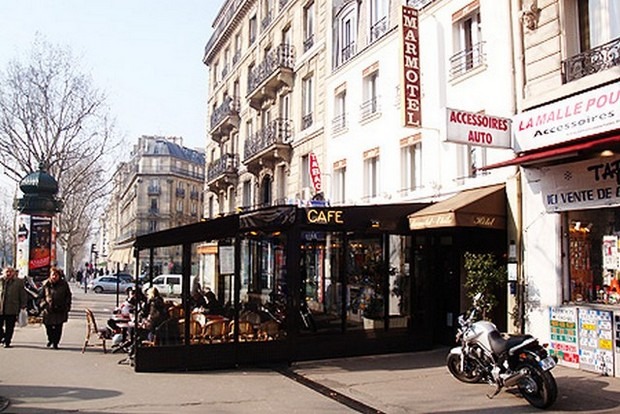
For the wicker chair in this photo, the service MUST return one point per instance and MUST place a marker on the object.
(102, 334)
(216, 330)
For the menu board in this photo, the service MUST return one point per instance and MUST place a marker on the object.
(595, 341)
(564, 336)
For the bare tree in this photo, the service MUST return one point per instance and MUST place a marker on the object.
(7, 234)
(51, 115)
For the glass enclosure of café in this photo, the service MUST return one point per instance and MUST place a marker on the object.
(280, 284)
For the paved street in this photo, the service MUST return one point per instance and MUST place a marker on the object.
(40, 380)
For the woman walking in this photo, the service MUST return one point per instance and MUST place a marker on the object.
(56, 305)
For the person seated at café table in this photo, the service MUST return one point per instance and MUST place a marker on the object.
(214, 307)
(154, 312)
(197, 300)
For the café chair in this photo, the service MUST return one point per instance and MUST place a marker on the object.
(216, 330)
(246, 330)
(102, 334)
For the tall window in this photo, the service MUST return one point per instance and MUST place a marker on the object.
(308, 102)
(371, 173)
(153, 208)
(345, 47)
(152, 226)
(179, 205)
(252, 29)
(285, 106)
(467, 41)
(471, 159)
(304, 171)
(339, 189)
(370, 104)
(247, 193)
(378, 19)
(308, 25)
(339, 122)
(237, 54)
(211, 207)
(281, 183)
(411, 166)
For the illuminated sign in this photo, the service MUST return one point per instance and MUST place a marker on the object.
(412, 111)
(315, 216)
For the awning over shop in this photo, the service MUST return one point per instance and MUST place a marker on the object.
(483, 207)
(121, 255)
(556, 152)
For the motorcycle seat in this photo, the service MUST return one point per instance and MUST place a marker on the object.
(499, 344)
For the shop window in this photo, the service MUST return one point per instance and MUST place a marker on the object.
(593, 256)
(264, 292)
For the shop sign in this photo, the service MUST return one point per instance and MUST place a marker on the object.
(588, 113)
(410, 55)
(432, 221)
(477, 129)
(322, 216)
(584, 184)
(315, 172)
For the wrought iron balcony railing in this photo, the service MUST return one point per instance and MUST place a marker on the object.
(369, 107)
(283, 3)
(592, 61)
(339, 123)
(278, 131)
(378, 29)
(230, 106)
(227, 163)
(467, 60)
(282, 56)
(180, 192)
(154, 189)
(309, 42)
(347, 53)
(306, 121)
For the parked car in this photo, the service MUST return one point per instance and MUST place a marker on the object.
(125, 277)
(167, 284)
(109, 284)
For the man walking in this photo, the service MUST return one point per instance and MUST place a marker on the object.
(12, 299)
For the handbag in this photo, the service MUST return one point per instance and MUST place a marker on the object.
(22, 318)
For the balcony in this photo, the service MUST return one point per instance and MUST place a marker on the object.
(275, 71)
(346, 54)
(268, 146)
(592, 61)
(180, 192)
(225, 118)
(378, 29)
(223, 172)
(467, 59)
(154, 190)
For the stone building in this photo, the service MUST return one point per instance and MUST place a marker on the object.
(161, 186)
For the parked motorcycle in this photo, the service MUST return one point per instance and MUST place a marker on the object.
(505, 361)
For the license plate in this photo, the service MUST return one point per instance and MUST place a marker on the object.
(547, 363)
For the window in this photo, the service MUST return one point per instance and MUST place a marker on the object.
(179, 206)
(308, 26)
(237, 54)
(471, 159)
(304, 171)
(339, 123)
(411, 166)
(252, 30)
(308, 102)
(593, 37)
(211, 207)
(378, 19)
(287, 36)
(231, 199)
(152, 226)
(467, 40)
(370, 104)
(345, 47)
(247, 193)
(371, 173)
(153, 208)
(216, 66)
(285, 106)
(281, 183)
(267, 14)
(339, 189)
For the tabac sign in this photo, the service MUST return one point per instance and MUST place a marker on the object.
(586, 184)
(410, 55)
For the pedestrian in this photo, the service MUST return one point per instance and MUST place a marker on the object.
(12, 299)
(56, 305)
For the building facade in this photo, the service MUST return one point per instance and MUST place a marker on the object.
(161, 186)
(267, 67)
(567, 138)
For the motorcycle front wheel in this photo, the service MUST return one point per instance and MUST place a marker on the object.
(539, 387)
(469, 374)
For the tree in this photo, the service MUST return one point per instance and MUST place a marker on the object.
(483, 275)
(51, 115)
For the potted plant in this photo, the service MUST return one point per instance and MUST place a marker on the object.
(483, 275)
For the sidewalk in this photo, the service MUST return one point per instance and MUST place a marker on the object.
(40, 380)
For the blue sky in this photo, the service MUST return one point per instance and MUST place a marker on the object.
(145, 54)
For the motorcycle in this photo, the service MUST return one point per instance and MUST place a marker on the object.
(484, 354)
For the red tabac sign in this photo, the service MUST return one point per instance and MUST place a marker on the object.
(412, 113)
(315, 172)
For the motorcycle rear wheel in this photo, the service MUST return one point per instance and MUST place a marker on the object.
(470, 375)
(539, 388)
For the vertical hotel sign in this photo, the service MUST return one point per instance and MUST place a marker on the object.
(412, 114)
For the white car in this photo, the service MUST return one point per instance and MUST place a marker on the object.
(167, 284)
(109, 284)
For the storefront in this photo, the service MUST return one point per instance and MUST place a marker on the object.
(569, 151)
(293, 284)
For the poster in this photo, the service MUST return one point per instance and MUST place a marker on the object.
(40, 247)
(610, 252)
(227, 260)
(23, 244)
(563, 323)
(595, 341)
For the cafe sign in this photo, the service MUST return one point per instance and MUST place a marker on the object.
(586, 184)
(324, 216)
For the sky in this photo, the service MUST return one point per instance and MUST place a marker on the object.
(146, 55)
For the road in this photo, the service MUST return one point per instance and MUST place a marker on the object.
(36, 379)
